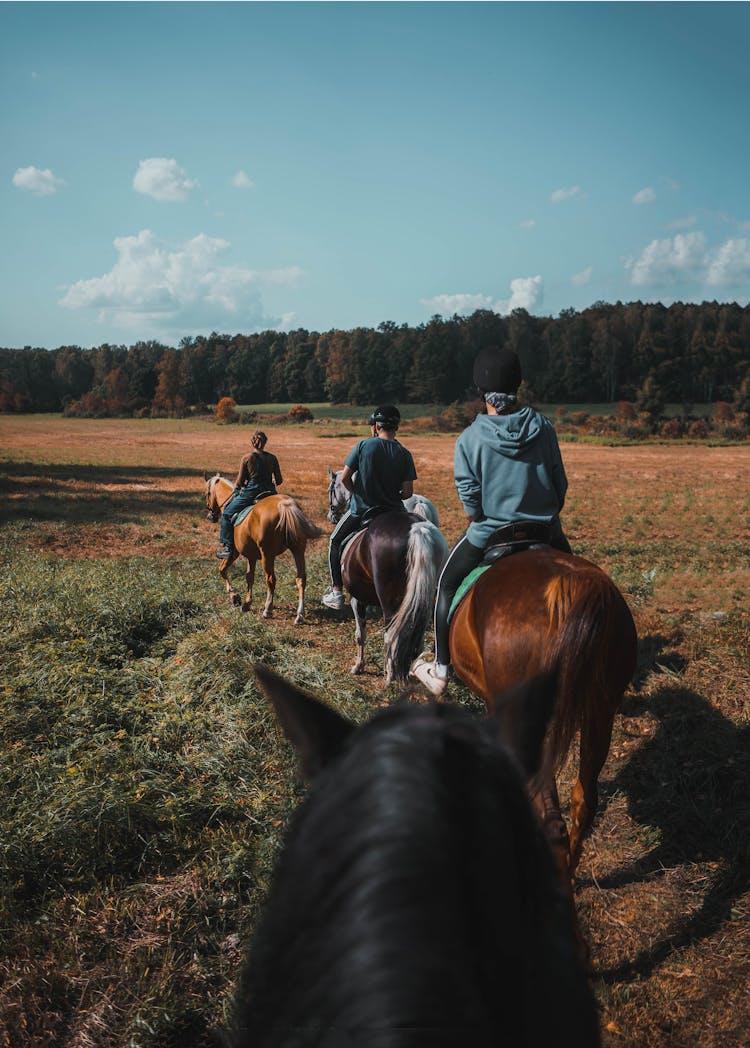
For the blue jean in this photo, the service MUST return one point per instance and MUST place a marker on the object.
(238, 502)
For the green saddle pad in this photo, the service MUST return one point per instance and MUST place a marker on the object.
(465, 586)
(243, 513)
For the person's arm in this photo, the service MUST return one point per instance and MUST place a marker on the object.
(468, 484)
(242, 476)
(557, 470)
(347, 479)
(276, 471)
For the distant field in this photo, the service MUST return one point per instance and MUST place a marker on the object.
(146, 787)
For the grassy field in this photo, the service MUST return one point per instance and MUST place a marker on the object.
(146, 785)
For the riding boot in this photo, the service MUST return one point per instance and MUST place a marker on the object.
(463, 558)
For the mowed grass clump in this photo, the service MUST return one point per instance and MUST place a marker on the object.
(145, 790)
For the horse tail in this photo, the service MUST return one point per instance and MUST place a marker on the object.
(293, 523)
(426, 552)
(422, 507)
(583, 627)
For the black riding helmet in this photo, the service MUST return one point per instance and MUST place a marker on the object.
(386, 416)
(497, 370)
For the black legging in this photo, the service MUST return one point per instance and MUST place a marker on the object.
(464, 557)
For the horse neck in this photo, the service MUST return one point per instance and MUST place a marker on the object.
(418, 863)
(222, 490)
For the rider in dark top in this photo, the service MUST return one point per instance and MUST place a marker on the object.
(379, 472)
(258, 471)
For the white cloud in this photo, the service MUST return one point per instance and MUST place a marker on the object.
(582, 278)
(663, 261)
(525, 293)
(730, 265)
(564, 194)
(528, 223)
(645, 196)
(170, 289)
(687, 222)
(162, 179)
(744, 227)
(447, 305)
(242, 181)
(36, 180)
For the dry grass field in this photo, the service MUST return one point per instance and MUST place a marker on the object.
(120, 951)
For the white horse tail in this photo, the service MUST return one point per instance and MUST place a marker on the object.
(427, 551)
(421, 506)
(293, 522)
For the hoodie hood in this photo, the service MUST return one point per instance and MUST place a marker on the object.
(510, 434)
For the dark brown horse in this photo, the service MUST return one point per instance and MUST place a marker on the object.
(537, 609)
(273, 525)
(394, 564)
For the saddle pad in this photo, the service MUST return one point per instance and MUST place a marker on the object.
(243, 513)
(465, 586)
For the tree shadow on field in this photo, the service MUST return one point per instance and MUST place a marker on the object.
(79, 494)
(691, 781)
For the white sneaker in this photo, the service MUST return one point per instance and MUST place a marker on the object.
(424, 672)
(332, 599)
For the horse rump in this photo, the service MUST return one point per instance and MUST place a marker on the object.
(415, 902)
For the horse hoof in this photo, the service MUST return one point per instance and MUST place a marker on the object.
(267, 614)
(235, 599)
(298, 621)
(356, 669)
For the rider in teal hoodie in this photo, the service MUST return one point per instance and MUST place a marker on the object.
(508, 470)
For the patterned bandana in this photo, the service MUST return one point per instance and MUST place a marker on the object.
(500, 401)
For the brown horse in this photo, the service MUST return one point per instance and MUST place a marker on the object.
(273, 525)
(394, 564)
(538, 609)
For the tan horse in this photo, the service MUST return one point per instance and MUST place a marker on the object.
(273, 525)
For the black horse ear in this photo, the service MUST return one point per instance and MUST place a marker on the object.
(523, 715)
(315, 730)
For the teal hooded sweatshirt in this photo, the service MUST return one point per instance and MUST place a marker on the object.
(508, 468)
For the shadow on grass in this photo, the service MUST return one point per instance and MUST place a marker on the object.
(82, 494)
(691, 781)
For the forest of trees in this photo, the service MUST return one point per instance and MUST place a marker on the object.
(683, 354)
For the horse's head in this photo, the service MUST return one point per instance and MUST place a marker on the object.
(338, 497)
(213, 502)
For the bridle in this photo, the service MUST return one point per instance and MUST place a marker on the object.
(214, 514)
(334, 513)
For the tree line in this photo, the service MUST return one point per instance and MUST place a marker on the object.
(683, 353)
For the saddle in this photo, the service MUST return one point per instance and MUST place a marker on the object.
(366, 519)
(513, 538)
(240, 515)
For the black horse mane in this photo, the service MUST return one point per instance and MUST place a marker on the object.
(415, 902)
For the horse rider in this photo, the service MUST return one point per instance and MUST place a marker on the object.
(258, 473)
(379, 472)
(508, 470)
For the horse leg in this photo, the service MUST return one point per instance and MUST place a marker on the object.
(268, 564)
(584, 797)
(232, 593)
(360, 632)
(547, 804)
(249, 580)
(301, 580)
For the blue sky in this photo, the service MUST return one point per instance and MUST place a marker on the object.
(170, 169)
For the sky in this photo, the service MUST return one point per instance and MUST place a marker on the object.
(172, 169)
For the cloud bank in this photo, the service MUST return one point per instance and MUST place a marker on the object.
(645, 196)
(162, 179)
(171, 289)
(686, 256)
(39, 181)
(525, 293)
